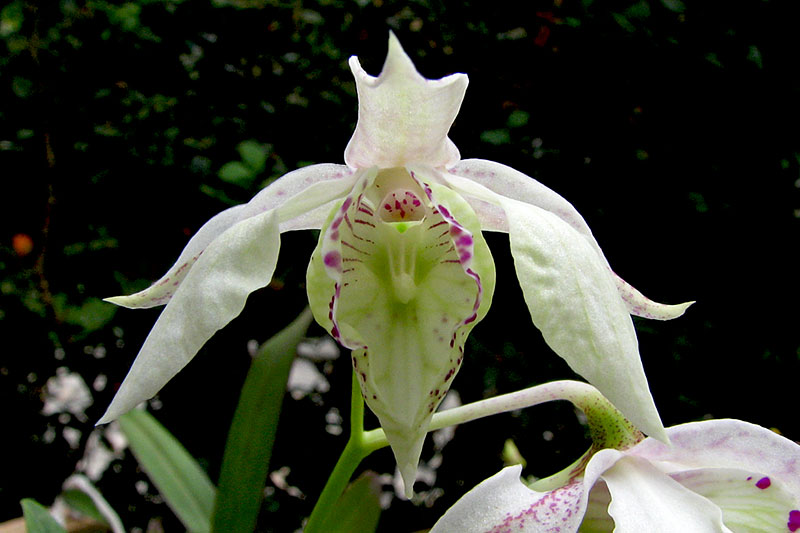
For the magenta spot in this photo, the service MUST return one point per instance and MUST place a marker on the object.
(464, 240)
(794, 520)
(763, 483)
(347, 203)
(333, 259)
(443, 210)
(749, 478)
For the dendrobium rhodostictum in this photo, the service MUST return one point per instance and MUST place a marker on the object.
(717, 476)
(402, 273)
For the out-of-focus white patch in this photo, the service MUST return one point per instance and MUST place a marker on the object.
(141, 487)
(97, 456)
(100, 382)
(333, 421)
(304, 378)
(72, 436)
(252, 347)
(278, 478)
(67, 393)
(319, 349)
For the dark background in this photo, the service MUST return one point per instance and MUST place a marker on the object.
(671, 126)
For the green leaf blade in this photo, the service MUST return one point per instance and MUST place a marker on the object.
(359, 508)
(180, 480)
(248, 450)
(38, 519)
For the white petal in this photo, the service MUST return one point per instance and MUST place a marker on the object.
(511, 183)
(726, 444)
(645, 499)
(305, 196)
(240, 261)
(574, 302)
(503, 503)
(640, 305)
(403, 117)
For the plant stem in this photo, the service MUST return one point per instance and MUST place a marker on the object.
(354, 452)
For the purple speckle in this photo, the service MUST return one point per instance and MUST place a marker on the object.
(794, 520)
(333, 259)
(464, 240)
(763, 483)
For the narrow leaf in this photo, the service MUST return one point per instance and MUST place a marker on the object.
(38, 519)
(359, 508)
(245, 463)
(178, 477)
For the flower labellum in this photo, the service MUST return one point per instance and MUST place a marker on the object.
(401, 273)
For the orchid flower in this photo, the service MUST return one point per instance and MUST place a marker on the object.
(718, 476)
(402, 273)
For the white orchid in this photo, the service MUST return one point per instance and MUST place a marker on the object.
(402, 273)
(718, 476)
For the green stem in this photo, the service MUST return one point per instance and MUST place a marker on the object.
(609, 428)
(354, 452)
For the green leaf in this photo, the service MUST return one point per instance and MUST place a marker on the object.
(237, 173)
(359, 508)
(178, 477)
(38, 519)
(81, 502)
(245, 463)
(253, 154)
(496, 137)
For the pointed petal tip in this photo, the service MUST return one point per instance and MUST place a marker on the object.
(116, 300)
(408, 473)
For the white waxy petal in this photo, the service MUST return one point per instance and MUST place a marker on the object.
(573, 300)
(511, 183)
(726, 444)
(403, 117)
(645, 499)
(503, 503)
(212, 294)
(310, 190)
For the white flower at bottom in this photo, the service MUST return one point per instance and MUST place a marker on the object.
(718, 476)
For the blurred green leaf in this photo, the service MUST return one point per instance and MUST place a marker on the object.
(359, 508)
(245, 463)
(236, 172)
(253, 154)
(91, 315)
(518, 118)
(178, 477)
(81, 502)
(496, 137)
(38, 519)
(674, 5)
(11, 17)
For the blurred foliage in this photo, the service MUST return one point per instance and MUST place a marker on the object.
(671, 125)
